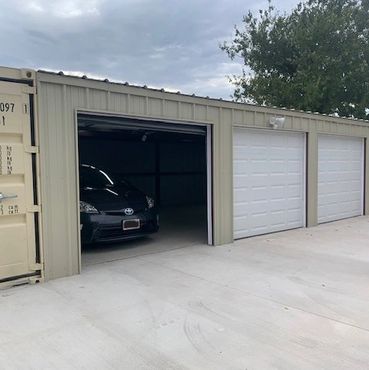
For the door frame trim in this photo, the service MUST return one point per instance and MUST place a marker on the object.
(208, 126)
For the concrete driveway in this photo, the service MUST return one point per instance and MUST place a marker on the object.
(292, 300)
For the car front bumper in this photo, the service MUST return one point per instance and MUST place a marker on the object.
(96, 228)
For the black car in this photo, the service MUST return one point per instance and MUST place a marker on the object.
(113, 210)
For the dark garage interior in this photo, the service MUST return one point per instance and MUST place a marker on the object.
(165, 162)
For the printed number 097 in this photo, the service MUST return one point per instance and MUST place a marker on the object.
(6, 107)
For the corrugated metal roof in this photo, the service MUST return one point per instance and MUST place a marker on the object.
(106, 80)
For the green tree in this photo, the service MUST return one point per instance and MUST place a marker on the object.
(315, 58)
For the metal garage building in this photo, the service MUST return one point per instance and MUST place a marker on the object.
(267, 169)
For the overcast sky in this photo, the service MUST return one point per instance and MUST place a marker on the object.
(160, 43)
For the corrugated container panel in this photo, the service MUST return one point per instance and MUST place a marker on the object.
(186, 111)
(362, 131)
(137, 105)
(119, 102)
(329, 128)
(237, 116)
(296, 124)
(343, 129)
(200, 113)
(58, 191)
(304, 123)
(260, 119)
(227, 115)
(98, 99)
(155, 107)
(287, 123)
(249, 118)
(217, 175)
(224, 179)
(76, 95)
(72, 196)
(213, 114)
(320, 126)
(171, 109)
(333, 128)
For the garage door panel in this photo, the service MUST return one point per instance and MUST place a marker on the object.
(257, 194)
(253, 181)
(293, 204)
(268, 181)
(294, 167)
(293, 215)
(254, 153)
(340, 177)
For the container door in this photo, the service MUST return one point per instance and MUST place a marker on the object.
(18, 212)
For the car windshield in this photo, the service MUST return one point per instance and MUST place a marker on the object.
(92, 177)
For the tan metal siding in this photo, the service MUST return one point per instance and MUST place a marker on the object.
(58, 103)
(366, 176)
(57, 157)
(61, 96)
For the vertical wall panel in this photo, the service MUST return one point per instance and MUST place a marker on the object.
(296, 124)
(119, 102)
(312, 178)
(186, 111)
(260, 119)
(213, 114)
(137, 105)
(155, 107)
(224, 180)
(58, 182)
(98, 99)
(200, 112)
(366, 176)
(249, 118)
(171, 109)
(287, 123)
(238, 116)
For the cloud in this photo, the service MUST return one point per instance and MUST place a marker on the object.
(62, 8)
(171, 44)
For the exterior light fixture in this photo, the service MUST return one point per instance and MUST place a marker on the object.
(277, 122)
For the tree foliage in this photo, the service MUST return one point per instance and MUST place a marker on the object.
(315, 58)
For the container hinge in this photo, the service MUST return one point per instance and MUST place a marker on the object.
(36, 267)
(31, 149)
(35, 279)
(34, 209)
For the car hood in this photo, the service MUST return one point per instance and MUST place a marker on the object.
(114, 199)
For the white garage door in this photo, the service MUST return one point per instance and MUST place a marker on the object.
(268, 180)
(340, 177)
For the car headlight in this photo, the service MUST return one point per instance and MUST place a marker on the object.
(87, 208)
(150, 202)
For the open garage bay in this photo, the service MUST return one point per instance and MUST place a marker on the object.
(144, 187)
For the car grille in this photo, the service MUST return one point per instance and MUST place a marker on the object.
(120, 212)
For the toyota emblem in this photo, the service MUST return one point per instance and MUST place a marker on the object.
(128, 211)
